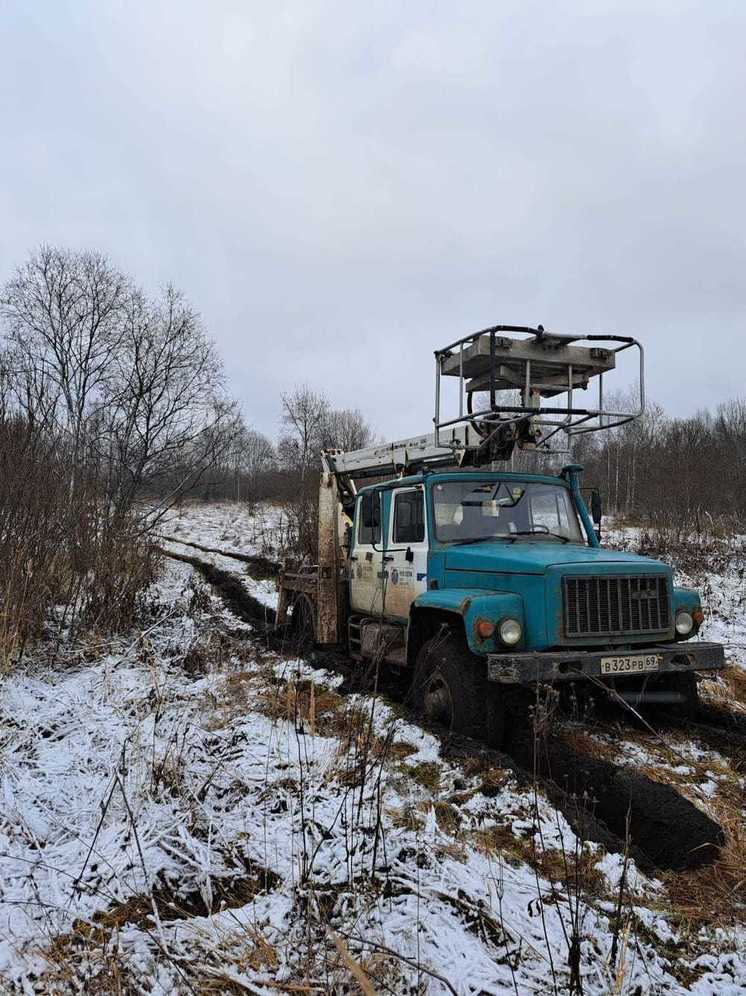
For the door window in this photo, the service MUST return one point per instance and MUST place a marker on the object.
(369, 528)
(409, 517)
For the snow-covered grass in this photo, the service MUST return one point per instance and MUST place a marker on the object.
(237, 527)
(715, 566)
(188, 811)
(233, 528)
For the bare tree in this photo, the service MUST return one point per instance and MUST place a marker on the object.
(251, 457)
(346, 430)
(304, 414)
(257, 454)
(63, 312)
(168, 418)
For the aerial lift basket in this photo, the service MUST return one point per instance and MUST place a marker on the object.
(544, 376)
(532, 367)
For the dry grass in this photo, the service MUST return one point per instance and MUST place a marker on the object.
(589, 746)
(477, 764)
(565, 868)
(500, 839)
(426, 773)
(447, 817)
(233, 698)
(259, 953)
(493, 782)
(735, 682)
(407, 817)
(726, 691)
(88, 959)
(571, 869)
(317, 709)
(85, 962)
(714, 894)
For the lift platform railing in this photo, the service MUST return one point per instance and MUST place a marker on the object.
(540, 366)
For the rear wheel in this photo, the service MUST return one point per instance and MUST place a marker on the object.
(451, 689)
(302, 622)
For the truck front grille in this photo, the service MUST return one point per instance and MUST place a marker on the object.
(616, 606)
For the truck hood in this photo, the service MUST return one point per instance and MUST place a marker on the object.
(530, 557)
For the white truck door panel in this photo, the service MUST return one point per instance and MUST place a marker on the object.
(366, 583)
(405, 558)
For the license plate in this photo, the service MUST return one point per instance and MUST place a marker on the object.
(635, 664)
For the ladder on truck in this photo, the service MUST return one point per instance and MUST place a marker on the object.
(506, 385)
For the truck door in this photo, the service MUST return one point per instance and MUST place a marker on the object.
(366, 566)
(406, 551)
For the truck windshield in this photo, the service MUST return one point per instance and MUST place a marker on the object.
(469, 511)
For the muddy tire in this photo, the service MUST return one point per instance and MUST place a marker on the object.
(302, 626)
(496, 717)
(686, 684)
(450, 688)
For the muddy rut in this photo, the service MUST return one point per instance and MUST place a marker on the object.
(231, 590)
(261, 567)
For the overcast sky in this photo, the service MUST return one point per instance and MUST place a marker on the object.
(340, 188)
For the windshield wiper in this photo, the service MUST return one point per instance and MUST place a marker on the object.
(538, 532)
(511, 536)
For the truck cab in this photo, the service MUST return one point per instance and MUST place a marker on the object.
(508, 570)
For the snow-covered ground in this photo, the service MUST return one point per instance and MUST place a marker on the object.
(188, 811)
(237, 527)
(233, 527)
(717, 569)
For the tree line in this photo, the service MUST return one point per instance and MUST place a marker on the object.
(254, 467)
(686, 474)
(287, 471)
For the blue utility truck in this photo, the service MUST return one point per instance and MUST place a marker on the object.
(480, 580)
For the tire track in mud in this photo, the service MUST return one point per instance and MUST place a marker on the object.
(231, 590)
(670, 830)
(596, 797)
(264, 568)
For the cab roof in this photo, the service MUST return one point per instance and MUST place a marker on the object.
(433, 477)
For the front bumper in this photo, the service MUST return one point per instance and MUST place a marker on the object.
(573, 665)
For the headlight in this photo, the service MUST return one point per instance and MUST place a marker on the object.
(510, 632)
(684, 622)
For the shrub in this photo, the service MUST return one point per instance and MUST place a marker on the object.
(66, 559)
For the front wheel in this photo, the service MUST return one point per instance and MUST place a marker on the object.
(450, 688)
